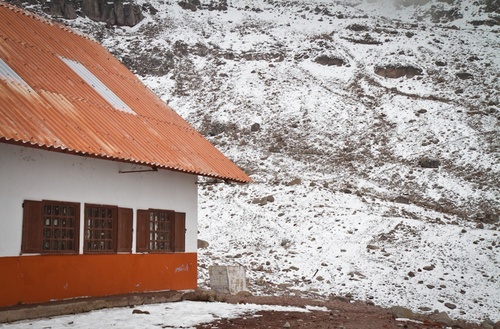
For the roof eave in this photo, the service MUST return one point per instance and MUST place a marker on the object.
(244, 179)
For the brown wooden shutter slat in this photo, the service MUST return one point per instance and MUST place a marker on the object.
(32, 227)
(125, 218)
(142, 236)
(77, 228)
(180, 232)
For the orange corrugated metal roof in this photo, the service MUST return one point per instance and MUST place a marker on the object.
(53, 107)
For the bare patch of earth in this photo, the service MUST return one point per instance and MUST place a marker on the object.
(339, 314)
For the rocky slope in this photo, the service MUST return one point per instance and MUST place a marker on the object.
(370, 129)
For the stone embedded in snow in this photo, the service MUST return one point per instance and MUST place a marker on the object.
(450, 306)
(295, 181)
(429, 163)
(329, 61)
(137, 311)
(428, 268)
(402, 199)
(202, 244)
(396, 72)
(465, 76)
(255, 127)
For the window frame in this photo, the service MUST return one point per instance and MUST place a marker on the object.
(177, 236)
(33, 231)
(122, 230)
(113, 237)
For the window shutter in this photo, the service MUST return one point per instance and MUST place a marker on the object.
(142, 237)
(125, 229)
(32, 227)
(180, 232)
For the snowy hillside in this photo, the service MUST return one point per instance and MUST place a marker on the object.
(370, 130)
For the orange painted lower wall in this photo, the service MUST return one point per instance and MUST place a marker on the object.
(35, 279)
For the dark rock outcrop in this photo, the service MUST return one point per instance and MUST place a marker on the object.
(329, 61)
(118, 12)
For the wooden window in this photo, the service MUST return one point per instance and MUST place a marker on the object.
(100, 228)
(107, 229)
(160, 231)
(50, 227)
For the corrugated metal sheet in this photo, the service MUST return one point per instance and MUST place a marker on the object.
(49, 105)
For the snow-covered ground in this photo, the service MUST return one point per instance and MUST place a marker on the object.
(289, 91)
(333, 243)
(184, 314)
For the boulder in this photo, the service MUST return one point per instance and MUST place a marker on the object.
(329, 61)
(399, 312)
(395, 72)
(441, 318)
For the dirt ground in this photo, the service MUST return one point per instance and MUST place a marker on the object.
(341, 314)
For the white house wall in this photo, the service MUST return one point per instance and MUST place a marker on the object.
(34, 174)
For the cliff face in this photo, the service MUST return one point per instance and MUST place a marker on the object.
(118, 12)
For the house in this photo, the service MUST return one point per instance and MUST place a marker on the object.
(98, 176)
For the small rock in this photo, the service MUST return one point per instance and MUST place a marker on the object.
(137, 311)
(425, 309)
(429, 163)
(255, 127)
(465, 76)
(402, 199)
(295, 181)
(372, 247)
(411, 274)
(428, 268)
(399, 312)
(450, 306)
(244, 293)
(442, 318)
(202, 244)
(286, 325)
